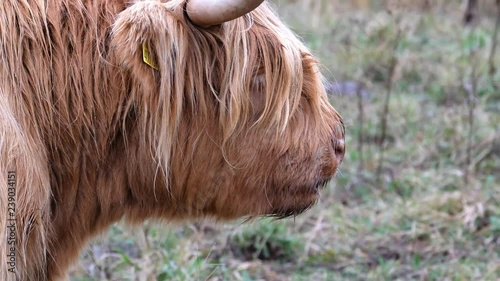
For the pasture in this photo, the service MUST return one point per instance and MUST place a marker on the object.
(418, 194)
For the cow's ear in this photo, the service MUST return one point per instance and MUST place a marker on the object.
(140, 32)
(132, 42)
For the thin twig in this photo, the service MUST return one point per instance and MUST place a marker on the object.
(471, 94)
(359, 93)
(385, 112)
(491, 59)
(471, 12)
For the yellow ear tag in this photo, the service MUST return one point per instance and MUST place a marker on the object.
(147, 58)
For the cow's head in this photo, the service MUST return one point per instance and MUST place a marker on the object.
(228, 110)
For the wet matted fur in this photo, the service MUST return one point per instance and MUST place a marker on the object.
(234, 113)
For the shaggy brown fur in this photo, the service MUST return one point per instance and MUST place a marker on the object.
(235, 113)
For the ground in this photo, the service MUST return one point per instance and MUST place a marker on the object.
(429, 210)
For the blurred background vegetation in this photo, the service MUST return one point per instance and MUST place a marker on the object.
(417, 197)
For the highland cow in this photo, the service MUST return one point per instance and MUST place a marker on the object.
(140, 110)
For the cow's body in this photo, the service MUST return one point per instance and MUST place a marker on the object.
(93, 134)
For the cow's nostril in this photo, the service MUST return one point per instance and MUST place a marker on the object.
(339, 149)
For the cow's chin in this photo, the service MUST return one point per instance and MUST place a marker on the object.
(297, 199)
(293, 210)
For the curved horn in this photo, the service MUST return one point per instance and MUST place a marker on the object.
(206, 13)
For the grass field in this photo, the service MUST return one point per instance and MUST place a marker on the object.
(420, 201)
